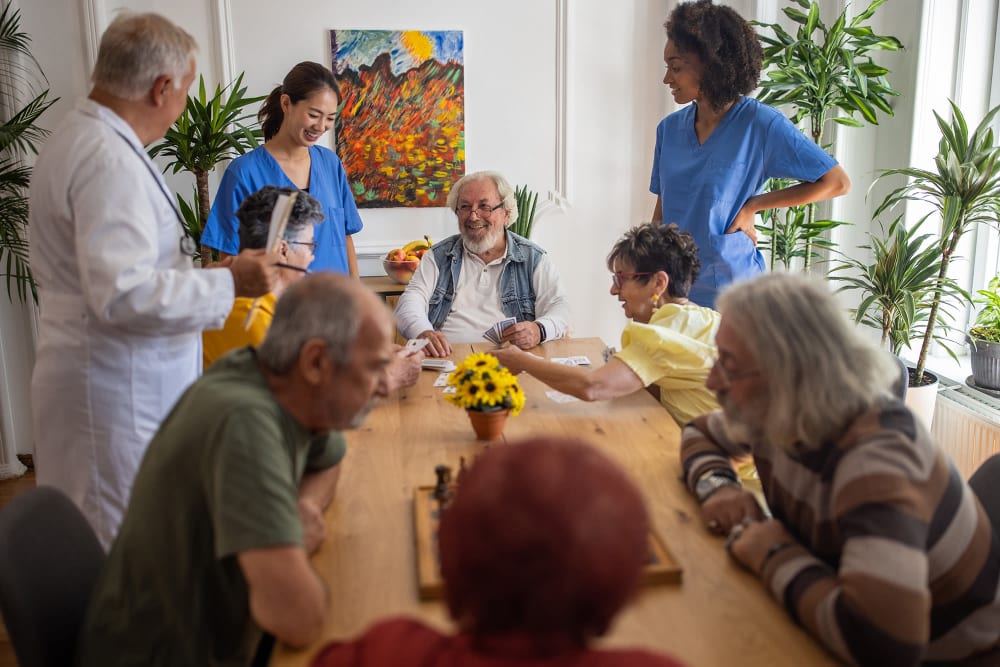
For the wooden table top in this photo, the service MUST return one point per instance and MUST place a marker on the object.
(718, 615)
(383, 285)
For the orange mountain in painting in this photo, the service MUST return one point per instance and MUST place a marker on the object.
(402, 138)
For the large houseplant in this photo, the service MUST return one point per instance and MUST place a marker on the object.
(19, 136)
(962, 190)
(527, 204)
(210, 130)
(825, 73)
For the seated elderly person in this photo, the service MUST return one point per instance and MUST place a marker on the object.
(585, 527)
(295, 253)
(472, 280)
(228, 502)
(669, 345)
(878, 547)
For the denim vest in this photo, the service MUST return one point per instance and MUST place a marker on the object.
(517, 293)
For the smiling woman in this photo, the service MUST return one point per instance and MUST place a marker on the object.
(294, 117)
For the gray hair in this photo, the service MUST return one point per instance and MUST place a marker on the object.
(255, 212)
(504, 189)
(820, 371)
(323, 305)
(136, 49)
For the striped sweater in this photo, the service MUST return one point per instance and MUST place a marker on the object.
(896, 560)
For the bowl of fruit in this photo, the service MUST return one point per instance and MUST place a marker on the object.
(400, 263)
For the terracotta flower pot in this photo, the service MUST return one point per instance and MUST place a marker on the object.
(488, 425)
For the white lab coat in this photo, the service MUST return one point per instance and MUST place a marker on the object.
(121, 310)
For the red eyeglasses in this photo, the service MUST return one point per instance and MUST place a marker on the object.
(618, 276)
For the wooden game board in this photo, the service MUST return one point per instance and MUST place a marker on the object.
(661, 568)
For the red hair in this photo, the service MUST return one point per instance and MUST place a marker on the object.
(546, 536)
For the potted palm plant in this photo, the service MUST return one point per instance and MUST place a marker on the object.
(210, 130)
(19, 136)
(962, 190)
(825, 73)
(894, 289)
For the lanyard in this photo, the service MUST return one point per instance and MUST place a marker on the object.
(187, 244)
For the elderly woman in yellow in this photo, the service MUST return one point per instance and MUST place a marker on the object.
(668, 347)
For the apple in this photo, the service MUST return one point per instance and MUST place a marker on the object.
(420, 253)
(396, 255)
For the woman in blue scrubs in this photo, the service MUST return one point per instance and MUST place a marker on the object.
(294, 117)
(713, 156)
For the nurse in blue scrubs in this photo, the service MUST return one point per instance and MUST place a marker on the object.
(713, 156)
(293, 118)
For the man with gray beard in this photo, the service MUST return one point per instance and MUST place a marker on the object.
(878, 547)
(483, 275)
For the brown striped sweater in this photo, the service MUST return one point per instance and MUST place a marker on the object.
(896, 560)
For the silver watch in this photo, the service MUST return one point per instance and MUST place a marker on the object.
(711, 482)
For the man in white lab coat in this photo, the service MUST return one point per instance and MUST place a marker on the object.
(122, 306)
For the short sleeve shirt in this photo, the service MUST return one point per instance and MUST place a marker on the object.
(703, 186)
(219, 478)
(327, 184)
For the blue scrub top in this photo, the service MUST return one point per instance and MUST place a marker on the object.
(703, 186)
(327, 184)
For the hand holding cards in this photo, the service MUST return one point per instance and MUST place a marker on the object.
(495, 333)
(414, 345)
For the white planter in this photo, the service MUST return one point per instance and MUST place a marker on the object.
(921, 400)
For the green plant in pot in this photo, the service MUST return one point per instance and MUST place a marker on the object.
(962, 191)
(825, 72)
(894, 285)
(210, 130)
(984, 338)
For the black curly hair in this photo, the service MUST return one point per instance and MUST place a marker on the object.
(652, 247)
(726, 44)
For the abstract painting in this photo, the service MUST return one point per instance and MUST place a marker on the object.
(401, 127)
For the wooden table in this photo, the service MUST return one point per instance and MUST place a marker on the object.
(718, 615)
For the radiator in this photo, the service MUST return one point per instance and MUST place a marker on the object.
(966, 425)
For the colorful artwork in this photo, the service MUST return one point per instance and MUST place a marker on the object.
(401, 130)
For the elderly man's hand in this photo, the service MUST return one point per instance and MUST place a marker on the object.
(254, 273)
(313, 526)
(728, 507)
(438, 345)
(751, 543)
(525, 335)
(404, 369)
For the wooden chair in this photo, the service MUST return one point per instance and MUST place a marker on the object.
(49, 562)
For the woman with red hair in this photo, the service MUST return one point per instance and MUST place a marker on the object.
(542, 545)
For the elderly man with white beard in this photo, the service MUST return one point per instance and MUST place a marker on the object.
(877, 545)
(483, 275)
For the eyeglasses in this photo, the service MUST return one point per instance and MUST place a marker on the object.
(618, 276)
(312, 244)
(484, 210)
(731, 376)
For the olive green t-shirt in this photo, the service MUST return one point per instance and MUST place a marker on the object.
(220, 477)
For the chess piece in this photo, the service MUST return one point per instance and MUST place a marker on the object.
(461, 471)
(442, 490)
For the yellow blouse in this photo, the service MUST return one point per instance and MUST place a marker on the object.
(216, 342)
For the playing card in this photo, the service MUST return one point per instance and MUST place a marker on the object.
(578, 360)
(560, 397)
(442, 380)
(450, 390)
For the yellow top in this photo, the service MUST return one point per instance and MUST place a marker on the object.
(216, 342)
(675, 351)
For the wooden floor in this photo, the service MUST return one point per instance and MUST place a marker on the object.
(8, 489)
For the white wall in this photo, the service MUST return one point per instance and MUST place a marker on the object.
(593, 161)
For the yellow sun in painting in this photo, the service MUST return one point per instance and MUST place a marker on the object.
(418, 44)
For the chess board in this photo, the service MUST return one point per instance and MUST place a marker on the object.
(661, 568)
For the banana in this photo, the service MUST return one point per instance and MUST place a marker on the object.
(419, 244)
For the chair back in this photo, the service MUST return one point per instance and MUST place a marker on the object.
(49, 562)
(985, 482)
(902, 380)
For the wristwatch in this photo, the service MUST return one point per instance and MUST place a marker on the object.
(543, 334)
(711, 482)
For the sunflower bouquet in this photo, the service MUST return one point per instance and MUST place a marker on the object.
(483, 385)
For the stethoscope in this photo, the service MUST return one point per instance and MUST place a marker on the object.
(187, 243)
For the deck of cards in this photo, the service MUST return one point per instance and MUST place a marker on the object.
(495, 333)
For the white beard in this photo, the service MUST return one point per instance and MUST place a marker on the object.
(485, 244)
